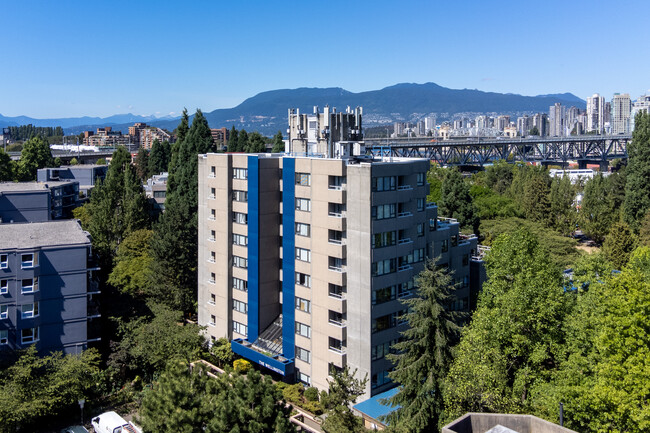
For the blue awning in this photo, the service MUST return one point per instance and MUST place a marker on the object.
(373, 407)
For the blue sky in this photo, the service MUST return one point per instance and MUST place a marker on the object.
(97, 58)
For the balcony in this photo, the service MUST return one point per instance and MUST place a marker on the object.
(404, 241)
(403, 268)
(404, 187)
(338, 322)
(404, 214)
(431, 205)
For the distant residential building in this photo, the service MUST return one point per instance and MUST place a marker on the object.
(502, 122)
(524, 125)
(46, 287)
(430, 124)
(37, 201)
(220, 136)
(556, 120)
(85, 174)
(420, 129)
(596, 113)
(621, 112)
(144, 135)
(156, 191)
(105, 137)
(398, 129)
(540, 121)
(510, 131)
(642, 104)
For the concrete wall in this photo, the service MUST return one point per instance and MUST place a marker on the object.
(25, 206)
(482, 422)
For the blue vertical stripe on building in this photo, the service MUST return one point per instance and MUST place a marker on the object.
(288, 256)
(253, 248)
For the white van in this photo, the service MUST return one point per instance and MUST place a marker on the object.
(110, 422)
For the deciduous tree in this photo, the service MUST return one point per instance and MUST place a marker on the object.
(455, 200)
(35, 154)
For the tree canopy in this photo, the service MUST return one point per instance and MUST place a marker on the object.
(637, 189)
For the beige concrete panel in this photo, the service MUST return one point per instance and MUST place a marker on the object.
(240, 317)
(241, 207)
(334, 196)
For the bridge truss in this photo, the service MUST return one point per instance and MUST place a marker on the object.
(584, 149)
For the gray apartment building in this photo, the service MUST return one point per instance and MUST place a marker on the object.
(46, 287)
(304, 256)
(37, 201)
(85, 174)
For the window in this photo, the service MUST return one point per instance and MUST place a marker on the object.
(241, 196)
(3, 261)
(29, 310)
(383, 267)
(303, 330)
(240, 173)
(382, 349)
(213, 320)
(213, 278)
(383, 211)
(420, 179)
(239, 284)
(432, 224)
(444, 246)
(303, 305)
(4, 336)
(388, 321)
(303, 279)
(30, 285)
(240, 328)
(303, 355)
(159, 194)
(335, 209)
(4, 287)
(385, 183)
(213, 193)
(420, 229)
(240, 306)
(303, 179)
(336, 291)
(240, 262)
(28, 335)
(27, 260)
(405, 289)
(213, 214)
(336, 263)
(4, 311)
(213, 171)
(213, 257)
(303, 204)
(213, 299)
(336, 182)
(333, 369)
(240, 240)
(303, 254)
(385, 294)
(454, 241)
(415, 256)
(336, 345)
(420, 205)
(386, 239)
(335, 237)
(213, 236)
(465, 259)
(380, 379)
(239, 218)
(466, 281)
(304, 379)
(302, 229)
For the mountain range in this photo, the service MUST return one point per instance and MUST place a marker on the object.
(267, 111)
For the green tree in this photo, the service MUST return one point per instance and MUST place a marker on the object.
(563, 213)
(534, 131)
(74, 161)
(499, 176)
(536, 203)
(117, 207)
(149, 342)
(174, 248)
(233, 140)
(343, 390)
(619, 244)
(515, 337)
(133, 264)
(35, 154)
(597, 212)
(36, 387)
(256, 143)
(644, 232)
(6, 167)
(142, 164)
(278, 143)
(101, 161)
(222, 352)
(242, 141)
(435, 176)
(423, 356)
(455, 200)
(637, 188)
(158, 158)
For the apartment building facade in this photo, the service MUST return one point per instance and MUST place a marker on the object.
(303, 260)
(46, 287)
(37, 201)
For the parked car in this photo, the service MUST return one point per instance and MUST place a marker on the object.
(111, 422)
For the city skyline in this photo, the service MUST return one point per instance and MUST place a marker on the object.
(74, 58)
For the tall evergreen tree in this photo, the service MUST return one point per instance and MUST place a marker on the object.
(174, 246)
(233, 140)
(456, 201)
(142, 164)
(563, 213)
(256, 143)
(423, 357)
(598, 211)
(175, 161)
(242, 141)
(35, 154)
(6, 167)
(157, 159)
(619, 244)
(278, 143)
(537, 205)
(637, 188)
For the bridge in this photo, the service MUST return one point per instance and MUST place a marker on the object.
(83, 157)
(585, 149)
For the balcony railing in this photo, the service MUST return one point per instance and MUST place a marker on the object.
(340, 350)
(404, 268)
(338, 322)
(404, 214)
(336, 214)
(336, 268)
(337, 295)
(431, 205)
(404, 241)
(335, 241)
(404, 187)
(335, 187)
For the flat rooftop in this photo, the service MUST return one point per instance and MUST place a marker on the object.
(32, 186)
(44, 234)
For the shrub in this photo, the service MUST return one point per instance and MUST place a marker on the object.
(241, 366)
(311, 394)
(293, 393)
